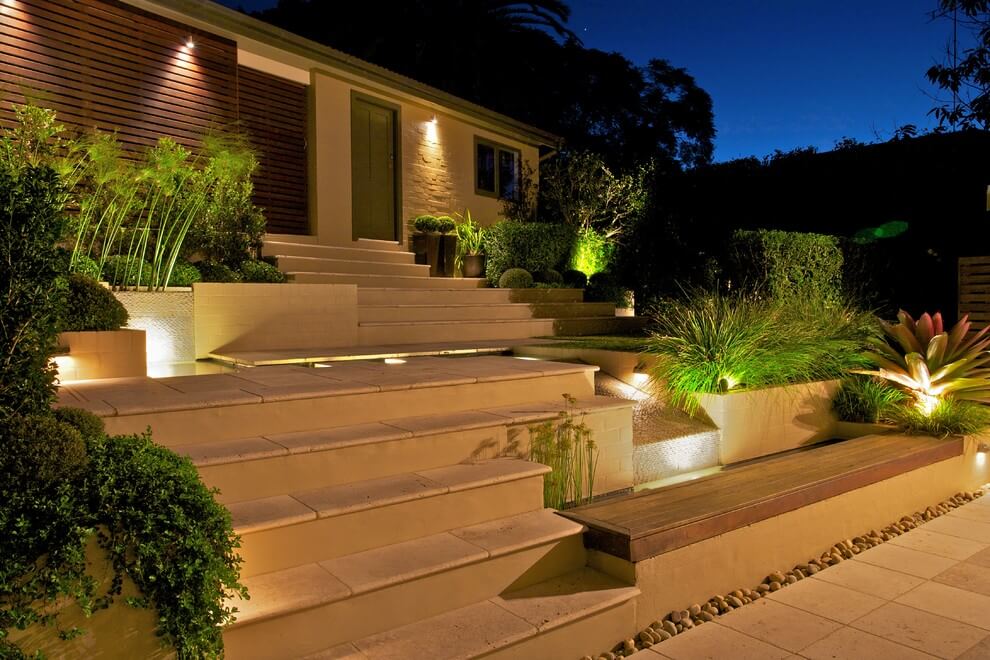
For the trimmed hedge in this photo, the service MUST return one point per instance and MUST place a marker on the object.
(533, 246)
(783, 264)
(91, 306)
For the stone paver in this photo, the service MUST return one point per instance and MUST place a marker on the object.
(925, 595)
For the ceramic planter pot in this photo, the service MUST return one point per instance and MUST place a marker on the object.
(474, 265)
(448, 255)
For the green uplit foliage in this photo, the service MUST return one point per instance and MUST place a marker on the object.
(515, 278)
(534, 246)
(712, 343)
(90, 306)
(426, 224)
(947, 417)
(867, 400)
(593, 252)
(567, 448)
(929, 361)
(784, 264)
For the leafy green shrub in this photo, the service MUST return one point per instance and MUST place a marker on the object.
(42, 448)
(33, 223)
(122, 270)
(568, 449)
(426, 224)
(91, 306)
(86, 266)
(575, 279)
(90, 427)
(603, 287)
(867, 400)
(515, 278)
(212, 271)
(184, 274)
(445, 224)
(711, 343)
(947, 417)
(549, 276)
(783, 264)
(534, 246)
(261, 271)
(593, 252)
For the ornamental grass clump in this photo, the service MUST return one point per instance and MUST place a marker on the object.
(567, 448)
(712, 343)
(868, 400)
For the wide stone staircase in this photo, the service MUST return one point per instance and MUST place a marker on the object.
(387, 511)
(399, 303)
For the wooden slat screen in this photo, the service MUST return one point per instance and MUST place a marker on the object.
(274, 112)
(974, 290)
(100, 63)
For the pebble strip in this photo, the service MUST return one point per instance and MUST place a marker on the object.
(680, 620)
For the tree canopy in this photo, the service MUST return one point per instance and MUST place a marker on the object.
(964, 74)
(521, 59)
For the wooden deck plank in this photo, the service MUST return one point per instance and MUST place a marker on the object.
(648, 523)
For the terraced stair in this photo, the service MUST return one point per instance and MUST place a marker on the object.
(385, 506)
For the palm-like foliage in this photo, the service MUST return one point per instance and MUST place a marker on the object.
(932, 362)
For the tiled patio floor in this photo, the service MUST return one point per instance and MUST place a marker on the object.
(925, 594)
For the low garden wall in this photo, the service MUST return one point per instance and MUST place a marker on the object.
(103, 354)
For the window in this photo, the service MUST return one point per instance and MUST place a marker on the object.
(497, 170)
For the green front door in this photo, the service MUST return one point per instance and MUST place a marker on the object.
(373, 170)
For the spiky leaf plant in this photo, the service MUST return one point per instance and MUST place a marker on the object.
(931, 362)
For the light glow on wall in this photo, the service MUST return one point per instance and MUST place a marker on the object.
(432, 132)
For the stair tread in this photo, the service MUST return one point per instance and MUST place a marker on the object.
(336, 579)
(300, 442)
(270, 512)
(483, 627)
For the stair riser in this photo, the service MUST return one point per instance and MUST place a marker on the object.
(398, 314)
(327, 538)
(308, 631)
(589, 635)
(475, 296)
(330, 252)
(599, 326)
(241, 421)
(309, 265)
(277, 475)
(371, 335)
(425, 283)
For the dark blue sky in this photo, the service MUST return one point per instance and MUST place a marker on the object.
(781, 73)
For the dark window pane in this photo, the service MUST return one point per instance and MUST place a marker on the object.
(508, 174)
(486, 168)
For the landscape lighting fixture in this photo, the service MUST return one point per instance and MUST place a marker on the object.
(190, 44)
(394, 361)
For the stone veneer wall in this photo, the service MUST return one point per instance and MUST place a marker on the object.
(167, 320)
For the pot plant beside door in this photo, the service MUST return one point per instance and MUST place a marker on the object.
(448, 245)
(470, 247)
(426, 242)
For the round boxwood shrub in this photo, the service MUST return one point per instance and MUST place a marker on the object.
(603, 287)
(121, 270)
(40, 448)
(549, 276)
(90, 427)
(213, 271)
(445, 224)
(515, 278)
(426, 224)
(91, 306)
(86, 266)
(261, 271)
(575, 279)
(184, 274)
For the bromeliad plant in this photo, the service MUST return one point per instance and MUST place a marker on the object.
(932, 363)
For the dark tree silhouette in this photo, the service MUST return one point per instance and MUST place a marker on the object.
(965, 73)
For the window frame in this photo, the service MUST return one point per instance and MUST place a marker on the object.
(497, 147)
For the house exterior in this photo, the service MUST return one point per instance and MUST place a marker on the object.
(348, 150)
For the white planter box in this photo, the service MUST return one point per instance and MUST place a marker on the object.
(762, 422)
(105, 354)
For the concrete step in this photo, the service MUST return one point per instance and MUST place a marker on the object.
(389, 281)
(288, 249)
(579, 613)
(368, 296)
(376, 244)
(297, 265)
(259, 467)
(315, 525)
(482, 311)
(283, 399)
(384, 588)
(439, 331)
(599, 325)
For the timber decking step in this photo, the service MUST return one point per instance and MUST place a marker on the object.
(563, 617)
(289, 530)
(289, 249)
(479, 311)
(389, 281)
(263, 466)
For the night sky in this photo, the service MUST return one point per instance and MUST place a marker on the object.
(782, 73)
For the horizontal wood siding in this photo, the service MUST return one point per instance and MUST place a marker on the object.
(107, 65)
(274, 111)
(974, 290)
